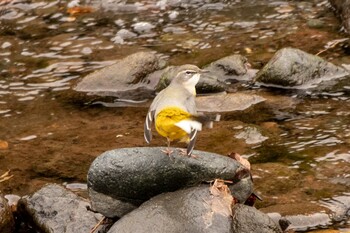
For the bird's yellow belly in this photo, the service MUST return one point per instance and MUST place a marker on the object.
(166, 120)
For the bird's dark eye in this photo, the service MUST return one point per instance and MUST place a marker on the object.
(189, 72)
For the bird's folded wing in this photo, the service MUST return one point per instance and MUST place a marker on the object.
(147, 127)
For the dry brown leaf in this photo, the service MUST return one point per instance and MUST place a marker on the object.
(80, 10)
(222, 200)
(240, 159)
(5, 176)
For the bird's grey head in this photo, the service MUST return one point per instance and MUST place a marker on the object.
(188, 75)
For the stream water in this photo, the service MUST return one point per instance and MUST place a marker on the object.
(298, 145)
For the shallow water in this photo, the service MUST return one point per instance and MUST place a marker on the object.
(299, 145)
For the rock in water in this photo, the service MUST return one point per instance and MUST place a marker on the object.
(195, 210)
(294, 68)
(120, 180)
(126, 79)
(234, 67)
(247, 219)
(7, 223)
(190, 210)
(54, 209)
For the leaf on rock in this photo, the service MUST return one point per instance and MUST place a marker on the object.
(240, 159)
(222, 200)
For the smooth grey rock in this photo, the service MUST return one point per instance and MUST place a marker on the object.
(227, 102)
(108, 206)
(342, 10)
(127, 79)
(7, 223)
(293, 68)
(234, 67)
(247, 219)
(133, 175)
(54, 209)
(192, 210)
(206, 84)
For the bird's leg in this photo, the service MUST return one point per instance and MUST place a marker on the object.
(168, 151)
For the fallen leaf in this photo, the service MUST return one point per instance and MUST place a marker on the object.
(80, 10)
(3, 145)
(240, 159)
(5, 176)
(222, 200)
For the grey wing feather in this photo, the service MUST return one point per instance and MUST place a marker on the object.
(147, 127)
(193, 137)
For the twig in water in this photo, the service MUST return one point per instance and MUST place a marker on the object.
(97, 225)
(332, 44)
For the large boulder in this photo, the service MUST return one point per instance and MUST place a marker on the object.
(293, 68)
(197, 210)
(120, 180)
(54, 209)
(126, 79)
(7, 223)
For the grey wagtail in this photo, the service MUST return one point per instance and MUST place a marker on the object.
(173, 110)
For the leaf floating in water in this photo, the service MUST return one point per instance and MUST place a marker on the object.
(80, 10)
(3, 145)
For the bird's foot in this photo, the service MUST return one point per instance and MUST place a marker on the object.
(183, 152)
(167, 151)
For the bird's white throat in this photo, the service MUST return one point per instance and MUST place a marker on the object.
(190, 84)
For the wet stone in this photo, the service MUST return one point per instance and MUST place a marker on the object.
(247, 219)
(188, 210)
(234, 67)
(6, 218)
(197, 210)
(294, 68)
(127, 79)
(55, 209)
(125, 178)
(227, 102)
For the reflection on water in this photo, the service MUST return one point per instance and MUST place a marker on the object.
(44, 48)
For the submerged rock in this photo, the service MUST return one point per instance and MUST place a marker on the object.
(7, 223)
(54, 209)
(127, 79)
(206, 84)
(125, 178)
(293, 68)
(196, 210)
(234, 67)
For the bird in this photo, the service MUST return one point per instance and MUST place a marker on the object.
(173, 111)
